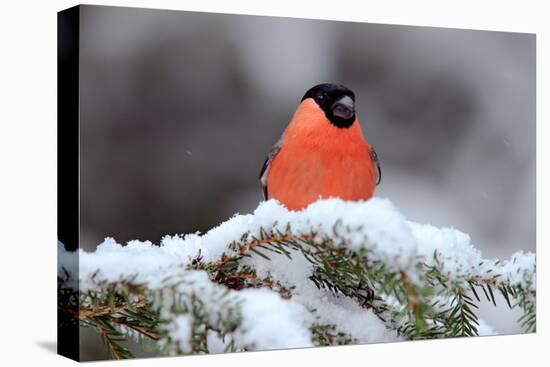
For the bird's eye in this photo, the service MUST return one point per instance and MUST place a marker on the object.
(320, 98)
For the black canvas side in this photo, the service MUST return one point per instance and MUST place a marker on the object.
(68, 28)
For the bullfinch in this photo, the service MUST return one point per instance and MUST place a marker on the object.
(322, 153)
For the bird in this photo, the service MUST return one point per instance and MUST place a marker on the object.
(322, 153)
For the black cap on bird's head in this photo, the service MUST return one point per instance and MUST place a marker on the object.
(337, 101)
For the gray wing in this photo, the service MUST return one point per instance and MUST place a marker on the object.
(267, 164)
(376, 161)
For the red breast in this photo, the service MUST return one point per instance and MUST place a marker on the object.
(318, 159)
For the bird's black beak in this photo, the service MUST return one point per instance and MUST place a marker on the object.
(343, 108)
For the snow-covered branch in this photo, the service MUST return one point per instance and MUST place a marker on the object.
(335, 273)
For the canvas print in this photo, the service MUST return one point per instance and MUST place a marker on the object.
(232, 183)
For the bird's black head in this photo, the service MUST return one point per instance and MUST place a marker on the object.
(337, 101)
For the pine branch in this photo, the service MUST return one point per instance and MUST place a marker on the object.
(327, 334)
(353, 274)
(421, 298)
(111, 309)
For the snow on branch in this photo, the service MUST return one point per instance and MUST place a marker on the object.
(335, 273)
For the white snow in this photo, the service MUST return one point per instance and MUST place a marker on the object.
(521, 268)
(329, 309)
(181, 331)
(269, 321)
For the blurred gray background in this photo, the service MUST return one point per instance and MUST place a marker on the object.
(178, 110)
